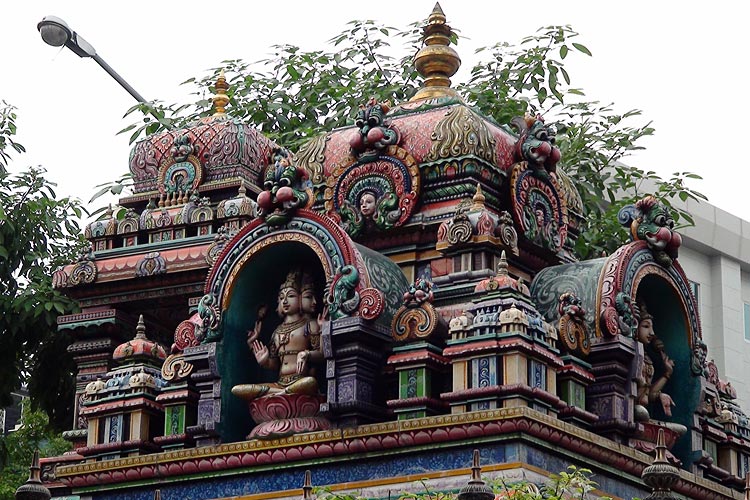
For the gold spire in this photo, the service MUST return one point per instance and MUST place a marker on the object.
(478, 199)
(436, 61)
(33, 489)
(307, 486)
(502, 265)
(660, 476)
(140, 329)
(476, 489)
(220, 99)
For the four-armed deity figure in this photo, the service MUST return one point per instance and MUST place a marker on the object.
(649, 386)
(294, 345)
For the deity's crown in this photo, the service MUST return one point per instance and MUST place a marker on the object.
(643, 311)
(293, 280)
(307, 282)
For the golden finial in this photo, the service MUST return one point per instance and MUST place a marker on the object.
(478, 199)
(502, 265)
(436, 61)
(140, 329)
(660, 475)
(307, 486)
(220, 99)
(476, 489)
(33, 488)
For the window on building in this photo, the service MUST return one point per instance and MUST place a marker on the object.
(747, 321)
(696, 289)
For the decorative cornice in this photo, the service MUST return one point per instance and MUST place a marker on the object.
(443, 430)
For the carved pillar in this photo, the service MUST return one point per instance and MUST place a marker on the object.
(420, 370)
(418, 358)
(96, 332)
(179, 400)
(207, 382)
(354, 350)
(572, 380)
(611, 396)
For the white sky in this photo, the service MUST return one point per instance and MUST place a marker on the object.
(682, 63)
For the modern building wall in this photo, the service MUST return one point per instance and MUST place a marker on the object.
(716, 256)
(10, 417)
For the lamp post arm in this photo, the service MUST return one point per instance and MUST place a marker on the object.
(106, 67)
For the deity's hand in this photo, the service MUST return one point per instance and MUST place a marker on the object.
(668, 364)
(261, 353)
(252, 335)
(323, 317)
(302, 358)
(666, 403)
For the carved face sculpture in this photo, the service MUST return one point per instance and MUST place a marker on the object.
(289, 302)
(367, 204)
(308, 302)
(539, 146)
(655, 225)
(646, 330)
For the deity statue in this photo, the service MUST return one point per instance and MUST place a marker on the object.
(649, 385)
(294, 345)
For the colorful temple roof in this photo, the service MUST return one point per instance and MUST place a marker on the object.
(375, 305)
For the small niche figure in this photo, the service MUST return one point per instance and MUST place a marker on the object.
(294, 345)
(367, 204)
(649, 385)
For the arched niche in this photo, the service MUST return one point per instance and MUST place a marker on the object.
(256, 284)
(672, 327)
(609, 289)
(248, 272)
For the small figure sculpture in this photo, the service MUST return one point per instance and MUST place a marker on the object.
(536, 144)
(367, 204)
(375, 132)
(649, 387)
(650, 220)
(294, 344)
(283, 189)
(572, 324)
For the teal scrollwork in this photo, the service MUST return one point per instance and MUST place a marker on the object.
(342, 297)
(210, 315)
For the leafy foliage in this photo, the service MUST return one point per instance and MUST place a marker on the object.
(7, 131)
(296, 94)
(17, 450)
(573, 483)
(38, 233)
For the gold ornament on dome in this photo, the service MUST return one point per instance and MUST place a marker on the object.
(461, 133)
(436, 61)
(311, 157)
(220, 99)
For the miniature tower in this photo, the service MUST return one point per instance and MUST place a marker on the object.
(33, 489)
(122, 411)
(476, 489)
(504, 353)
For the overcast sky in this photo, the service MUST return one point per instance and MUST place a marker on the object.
(682, 63)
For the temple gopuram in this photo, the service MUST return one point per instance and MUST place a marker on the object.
(374, 307)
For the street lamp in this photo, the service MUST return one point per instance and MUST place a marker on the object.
(57, 33)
